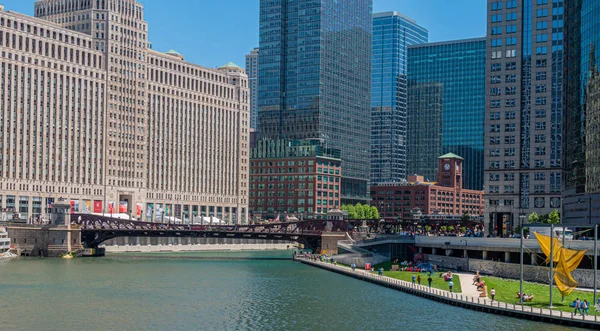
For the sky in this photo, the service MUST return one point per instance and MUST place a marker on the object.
(213, 32)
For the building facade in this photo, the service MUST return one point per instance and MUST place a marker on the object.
(393, 33)
(418, 198)
(314, 79)
(581, 119)
(446, 93)
(523, 126)
(294, 178)
(252, 72)
(89, 113)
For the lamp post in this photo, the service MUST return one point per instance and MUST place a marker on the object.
(521, 217)
(466, 252)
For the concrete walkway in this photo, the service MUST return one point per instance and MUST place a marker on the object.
(466, 283)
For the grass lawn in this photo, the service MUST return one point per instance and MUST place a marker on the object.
(506, 291)
(438, 282)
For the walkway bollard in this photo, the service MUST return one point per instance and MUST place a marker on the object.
(561, 314)
(571, 315)
(505, 305)
(478, 301)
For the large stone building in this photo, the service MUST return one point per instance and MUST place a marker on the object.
(523, 124)
(90, 113)
(393, 33)
(300, 178)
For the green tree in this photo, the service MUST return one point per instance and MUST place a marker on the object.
(443, 228)
(360, 211)
(451, 228)
(463, 229)
(351, 211)
(553, 217)
(374, 213)
(427, 228)
(533, 218)
(544, 219)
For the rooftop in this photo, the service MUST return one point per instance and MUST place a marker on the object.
(450, 156)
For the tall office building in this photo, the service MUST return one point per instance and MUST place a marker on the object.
(523, 127)
(581, 119)
(252, 72)
(314, 79)
(392, 34)
(89, 113)
(446, 107)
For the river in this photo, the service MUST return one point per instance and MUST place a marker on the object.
(215, 291)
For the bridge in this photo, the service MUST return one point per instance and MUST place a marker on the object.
(97, 229)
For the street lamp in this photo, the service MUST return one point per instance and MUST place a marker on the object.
(466, 252)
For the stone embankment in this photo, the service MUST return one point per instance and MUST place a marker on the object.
(195, 248)
(465, 301)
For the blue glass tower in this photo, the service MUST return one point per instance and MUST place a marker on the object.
(581, 118)
(452, 72)
(392, 34)
(314, 79)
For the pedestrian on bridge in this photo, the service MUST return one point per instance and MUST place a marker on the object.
(450, 285)
(429, 280)
(419, 279)
(414, 278)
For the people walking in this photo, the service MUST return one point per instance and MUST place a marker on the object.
(429, 280)
(585, 306)
(414, 278)
(353, 266)
(419, 279)
(493, 293)
(450, 285)
(577, 307)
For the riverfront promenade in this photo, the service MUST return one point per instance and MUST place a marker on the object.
(464, 300)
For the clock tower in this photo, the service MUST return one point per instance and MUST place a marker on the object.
(450, 171)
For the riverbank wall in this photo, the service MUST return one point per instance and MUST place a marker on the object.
(196, 248)
(468, 302)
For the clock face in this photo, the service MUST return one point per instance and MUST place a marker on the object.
(447, 166)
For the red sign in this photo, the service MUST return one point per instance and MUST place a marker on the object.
(138, 209)
(111, 207)
(97, 206)
(72, 207)
(123, 207)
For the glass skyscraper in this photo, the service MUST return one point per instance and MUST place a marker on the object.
(392, 34)
(446, 108)
(523, 125)
(252, 72)
(581, 99)
(314, 79)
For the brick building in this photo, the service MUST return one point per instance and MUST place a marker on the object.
(299, 178)
(417, 197)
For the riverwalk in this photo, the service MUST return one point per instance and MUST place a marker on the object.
(464, 300)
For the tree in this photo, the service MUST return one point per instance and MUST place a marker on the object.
(443, 228)
(351, 211)
(360, 211)
(427, 228)
(553, 217)
(374, 213)
(533, 218)
(451, 228)
(463, 229)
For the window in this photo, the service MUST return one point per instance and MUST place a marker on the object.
(509, 177)
(494, 189)
(494, 140)
(512, 78)
(510, 103)
(496, 67)
(542, 12)
(557, 11)
(509, 140)
(511, 41)
(496, 18)
(510, 115)
(495, 80)
(496, 42)
(494, 164)
(540, 100)
(495, 152)
(540, 38)
(557, 36)
(511, 4)
(494, 116)
(542, 2)
(539, 188)
(540, 75)
(541, 63)
(509, 127)
(540, 163)
(496, 30)
(539, 176)
(495, 91)
(540, 138)
(494, 103)
(511, 65)
(497, 5)
(497, 55)
(540, 113)
(510, 90)
(540, 88)
(541, 25)
(493, 177)
(540, 151)
(509, 151)
(509, 164)
(495, 128)
(541, 50)
(511, 53)
(509, 189)
(540, 125)
(511, 16)
(511, 28)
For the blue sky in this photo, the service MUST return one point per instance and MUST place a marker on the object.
(213, 32)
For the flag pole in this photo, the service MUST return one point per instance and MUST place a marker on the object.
(551, 261)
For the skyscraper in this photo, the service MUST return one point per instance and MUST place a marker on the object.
(581, 99)
(523, 127)
(446, 93)
(252, 72)
(314, 79)
(392, 34)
